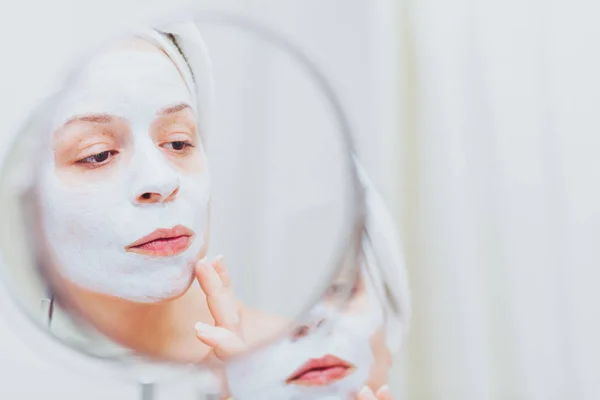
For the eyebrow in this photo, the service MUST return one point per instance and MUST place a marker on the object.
(174, 109)
(97, 118)
(107, 118)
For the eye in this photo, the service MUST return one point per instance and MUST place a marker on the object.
(300, 332)
(177, 145)
(98, 159)
(343, 288)
(337, 288)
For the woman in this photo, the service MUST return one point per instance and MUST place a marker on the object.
(125, 174)
(124, 191)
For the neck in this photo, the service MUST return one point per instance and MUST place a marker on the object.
(162, 330)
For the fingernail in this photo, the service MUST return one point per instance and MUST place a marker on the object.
(219, 258)
(202, 261)
(385, 389)
(202, 328)
(367, 393)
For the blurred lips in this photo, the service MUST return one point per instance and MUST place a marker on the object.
(321, 371)
(163, 242)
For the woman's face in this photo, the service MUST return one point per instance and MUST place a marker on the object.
(124, 184)
(331, 354)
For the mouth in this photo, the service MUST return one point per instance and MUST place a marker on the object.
(321, 371)
(163, 242)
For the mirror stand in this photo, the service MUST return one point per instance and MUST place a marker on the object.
(147, 390)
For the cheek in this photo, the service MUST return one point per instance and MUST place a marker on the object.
(204, 249)
(75, 175)
(382, 360)
(359, 305)
(192, 163)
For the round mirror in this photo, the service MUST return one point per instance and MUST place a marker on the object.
(190, 196)
(187, 193)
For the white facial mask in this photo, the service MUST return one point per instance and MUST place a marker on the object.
(263, 375)
(88, 226)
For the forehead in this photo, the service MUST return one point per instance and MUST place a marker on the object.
(125, 82)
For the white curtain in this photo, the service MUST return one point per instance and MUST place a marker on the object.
(498, 190)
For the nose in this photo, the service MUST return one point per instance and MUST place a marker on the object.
(154, 180)
(306, 329)
(152, 197)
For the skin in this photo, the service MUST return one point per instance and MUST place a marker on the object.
(225, 337)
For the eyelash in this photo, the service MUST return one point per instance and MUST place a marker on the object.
(91, 161)
(185, 144)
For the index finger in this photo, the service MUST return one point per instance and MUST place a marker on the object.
(384, 393)
(215, 283)
(366, 394)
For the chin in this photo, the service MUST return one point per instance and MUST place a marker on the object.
(176, 292)
(177, 288)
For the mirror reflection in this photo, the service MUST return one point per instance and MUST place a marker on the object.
(172, 218)
(332, 353)
(163, 214)
(123, 193)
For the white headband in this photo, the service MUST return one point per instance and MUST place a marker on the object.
(186, 48)
(385, 263)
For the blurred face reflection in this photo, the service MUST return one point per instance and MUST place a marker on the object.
(124, 184)
(332, 354)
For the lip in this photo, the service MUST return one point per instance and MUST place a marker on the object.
(163, 242)
(321, 371)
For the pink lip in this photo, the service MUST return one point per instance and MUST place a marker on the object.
(163, 242)
(321, 371)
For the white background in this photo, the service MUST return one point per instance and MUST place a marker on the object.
(501, 199)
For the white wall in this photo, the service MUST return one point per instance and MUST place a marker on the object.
(502, 199)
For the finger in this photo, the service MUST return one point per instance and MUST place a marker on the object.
(221, 270)
(366, 394)
(209, 280)
(219, 296)
(224, 342)
(384, 393)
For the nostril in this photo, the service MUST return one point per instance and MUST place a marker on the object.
(300, 332)
(172, 196)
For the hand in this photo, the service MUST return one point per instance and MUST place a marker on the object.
(225, 337)
(383, 393)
